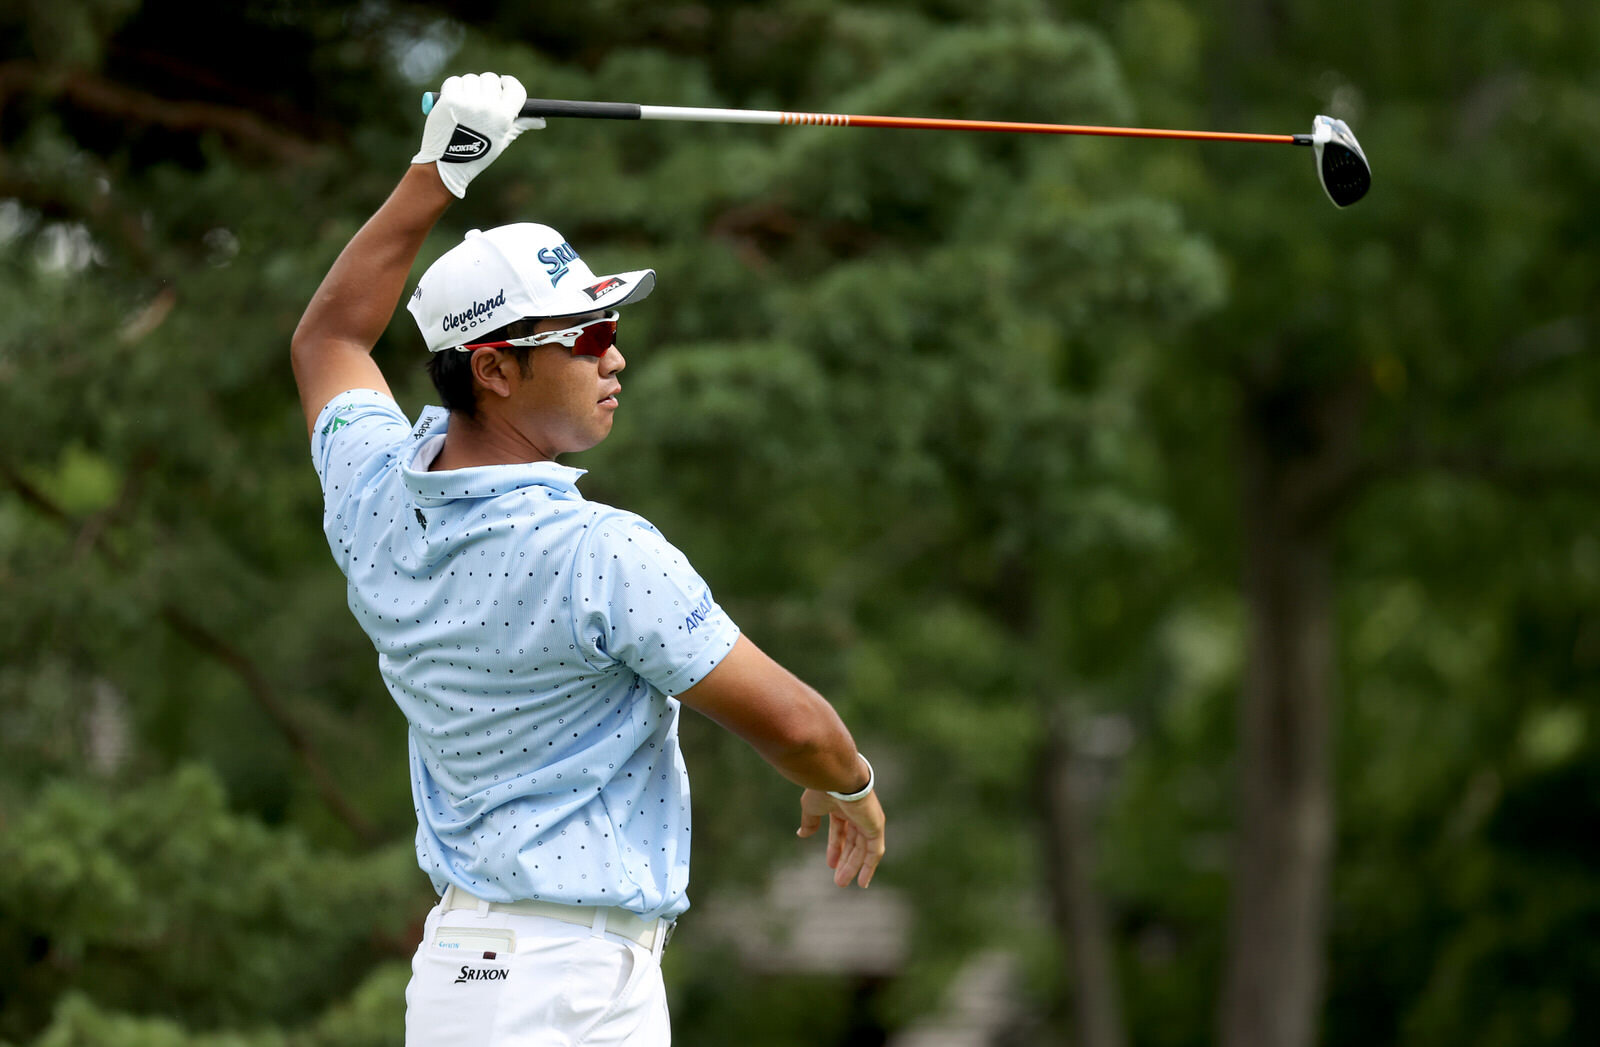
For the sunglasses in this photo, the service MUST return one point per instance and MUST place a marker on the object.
(590, 338)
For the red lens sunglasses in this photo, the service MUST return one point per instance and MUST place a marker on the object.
(590, 338)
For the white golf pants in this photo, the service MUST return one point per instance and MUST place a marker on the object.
(507, 980)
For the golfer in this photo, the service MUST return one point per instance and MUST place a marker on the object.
(533, 639)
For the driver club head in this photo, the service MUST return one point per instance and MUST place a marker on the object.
(1341, 165)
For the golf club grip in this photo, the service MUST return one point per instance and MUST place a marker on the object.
(560, 107)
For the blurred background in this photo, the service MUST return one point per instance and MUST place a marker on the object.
(1212, 574)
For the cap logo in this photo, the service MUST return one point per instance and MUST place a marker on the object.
(556, 260)
(472, 317)
(465, 146)
(605, 285)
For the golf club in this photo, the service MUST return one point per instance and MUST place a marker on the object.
(1341, 165)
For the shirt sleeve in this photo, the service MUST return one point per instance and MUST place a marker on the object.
(352, 440)
(641, 605)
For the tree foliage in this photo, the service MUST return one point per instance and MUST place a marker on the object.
(952, 423)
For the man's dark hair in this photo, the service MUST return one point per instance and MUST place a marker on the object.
(451, 369)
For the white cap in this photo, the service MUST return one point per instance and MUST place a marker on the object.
(511, 273)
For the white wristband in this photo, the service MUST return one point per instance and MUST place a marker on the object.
(861, 794)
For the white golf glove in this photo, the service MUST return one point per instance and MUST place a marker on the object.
(471, 122)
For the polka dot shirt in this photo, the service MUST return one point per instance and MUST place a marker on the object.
(533, 640)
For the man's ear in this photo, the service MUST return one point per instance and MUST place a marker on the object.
(496, 372)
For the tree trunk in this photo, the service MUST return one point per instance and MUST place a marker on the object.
(1297, 453)
(1079, 917)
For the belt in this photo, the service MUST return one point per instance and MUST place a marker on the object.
(608, 919)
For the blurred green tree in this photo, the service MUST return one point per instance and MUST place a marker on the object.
(1397, 402)
(1032, 454)
(943, 389)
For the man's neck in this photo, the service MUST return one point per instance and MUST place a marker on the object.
(472, 442)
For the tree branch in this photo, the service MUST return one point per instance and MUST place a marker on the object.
(94, 527)
(93, 535)
(106, 97)
(262, 691)
(1479, 463)
(104, 214)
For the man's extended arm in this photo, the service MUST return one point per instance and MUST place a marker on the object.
(801, 736)
(332, 346)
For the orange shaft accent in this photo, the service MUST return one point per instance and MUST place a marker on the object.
(935, 124)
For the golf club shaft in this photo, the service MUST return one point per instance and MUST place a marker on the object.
(629, 111)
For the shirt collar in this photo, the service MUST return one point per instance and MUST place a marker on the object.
(483, 481)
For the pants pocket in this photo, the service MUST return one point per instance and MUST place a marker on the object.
(531, 983)
(460, 978)
(625, 1003)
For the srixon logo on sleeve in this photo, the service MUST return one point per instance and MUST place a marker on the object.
(556, 260)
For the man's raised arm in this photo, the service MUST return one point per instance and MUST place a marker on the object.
(332, 347)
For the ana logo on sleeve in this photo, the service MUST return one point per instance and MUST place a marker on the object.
(697, 617)
(338, 421)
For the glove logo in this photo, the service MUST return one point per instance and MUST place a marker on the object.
(466, 145)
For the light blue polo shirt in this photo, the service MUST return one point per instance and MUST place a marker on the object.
(532, 639)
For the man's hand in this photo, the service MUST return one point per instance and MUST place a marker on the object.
(799, 733)
(855, 833)
(471, 123)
